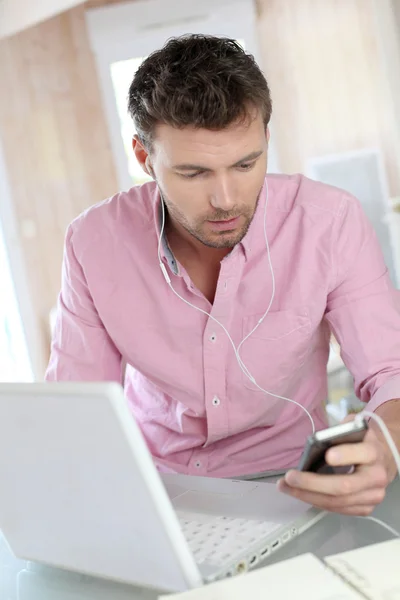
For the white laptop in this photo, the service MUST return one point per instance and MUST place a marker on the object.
(79, 491)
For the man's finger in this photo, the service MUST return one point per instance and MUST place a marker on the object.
(357, 511)
(364, 453)
(335, 503)
(363, 478)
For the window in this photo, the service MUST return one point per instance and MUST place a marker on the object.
(122, 73)
(14, 361)
(18, 336)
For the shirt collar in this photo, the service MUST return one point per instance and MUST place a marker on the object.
(165, 250)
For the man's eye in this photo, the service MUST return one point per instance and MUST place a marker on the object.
(246, 166)
(190, 175)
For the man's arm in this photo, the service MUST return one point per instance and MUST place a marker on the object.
(81, 350)
(363, 311)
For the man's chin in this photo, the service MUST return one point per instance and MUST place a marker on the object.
(226, 240)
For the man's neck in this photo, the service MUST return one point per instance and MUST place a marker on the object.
(201, 262)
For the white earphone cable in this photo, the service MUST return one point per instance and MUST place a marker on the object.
(241, 364)
(245, 369)
(386, 435)
(383, 524)
(396, 456)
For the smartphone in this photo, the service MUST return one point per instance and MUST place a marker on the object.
(313, 457)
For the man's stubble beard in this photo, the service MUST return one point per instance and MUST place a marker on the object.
(227, 239)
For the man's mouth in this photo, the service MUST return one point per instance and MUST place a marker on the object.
(225, 225)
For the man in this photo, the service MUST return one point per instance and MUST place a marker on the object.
(156, 278)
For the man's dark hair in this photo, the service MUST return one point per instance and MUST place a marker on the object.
(200, 81)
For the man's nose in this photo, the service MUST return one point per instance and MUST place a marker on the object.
(223, 194)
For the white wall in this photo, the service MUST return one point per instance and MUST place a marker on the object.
(16, 15)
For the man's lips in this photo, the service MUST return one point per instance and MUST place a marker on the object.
(225, 225)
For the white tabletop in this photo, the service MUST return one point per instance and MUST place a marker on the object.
(25, 581)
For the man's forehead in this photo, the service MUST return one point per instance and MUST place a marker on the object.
(178, 146)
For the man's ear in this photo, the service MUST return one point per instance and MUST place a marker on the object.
(142, 156)
(267, 134)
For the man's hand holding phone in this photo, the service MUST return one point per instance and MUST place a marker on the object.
(354, 493)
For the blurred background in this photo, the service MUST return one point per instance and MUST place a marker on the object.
(65, 67)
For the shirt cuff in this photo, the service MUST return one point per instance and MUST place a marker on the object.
(388, 391)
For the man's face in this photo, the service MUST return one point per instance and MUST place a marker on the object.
(211, 180)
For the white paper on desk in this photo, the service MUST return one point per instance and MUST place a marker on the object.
(303, 578)
(374, 570)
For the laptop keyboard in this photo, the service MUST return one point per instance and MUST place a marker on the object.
(221, 539)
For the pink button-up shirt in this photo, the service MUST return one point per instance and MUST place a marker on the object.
(197, 410)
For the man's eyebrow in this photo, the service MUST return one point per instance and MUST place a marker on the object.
(248, 158)
(190, 167)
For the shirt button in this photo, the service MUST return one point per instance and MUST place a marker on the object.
(213, 337)
(197, 464)
(216, 401)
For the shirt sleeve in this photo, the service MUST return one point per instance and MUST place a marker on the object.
(81, 349)
(363, 308)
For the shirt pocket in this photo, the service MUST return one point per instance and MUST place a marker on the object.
(277, 350)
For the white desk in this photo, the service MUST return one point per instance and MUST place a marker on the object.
(19, 581)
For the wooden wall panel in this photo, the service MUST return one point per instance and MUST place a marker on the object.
(56, 144)
(328, 85)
